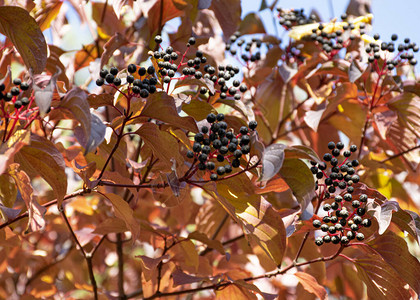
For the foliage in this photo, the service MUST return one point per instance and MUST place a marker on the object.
(150, 178)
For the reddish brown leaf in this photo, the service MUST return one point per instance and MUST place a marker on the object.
(394, 251)
(161, 106)
(251, 24)
(106, 19)
(25, 34)
(161, 12)
(300, 179)
(76, 102)
(123, 211)
(41, 157)
(228, 13)
(181, 278)
(116, 41)
(214, 244)
(163, 144)
(310, 284)
(111, 225)
(381, 280)
(149, 265)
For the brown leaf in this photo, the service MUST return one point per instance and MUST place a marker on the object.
(310, 284)
(96, 101)
(383, 121)
(251, 24)
(116, 41)
(76, 102)
(8, 190)
(161, 12)
(300, 179)
(228, 13)
(123, 211)
(41, 157)
(181, 278)
(214, 244)
(25, 34)
(108, 23)
(394, 251)
(161, 106)
(162, 143)
(234, 292)
(407, 107)
(47, 14)
(261, 222)
(35, 210)
(149, 265)
(382, 281)
(110, 225)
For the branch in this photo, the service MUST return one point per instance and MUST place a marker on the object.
(87, 256)
(48, 204)
(399, 154)
(218, 286)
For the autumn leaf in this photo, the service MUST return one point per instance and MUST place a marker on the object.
(310, 284)
(123, 211)
(25, 34)
(41, 157)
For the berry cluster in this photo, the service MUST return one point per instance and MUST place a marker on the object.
(215, 146)
(405, 51)
(345, 214)
(13, 96)
(142, 87)
(291, 17)
(193, 67)
(245, 47)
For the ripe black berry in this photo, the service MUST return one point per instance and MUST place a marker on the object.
(191, 41)
(340, 145)
(319, 241)
(190, 154)
(347, 153)
(17, 81)
(131, 68)
(113, 71)
(331, 145)
(236, 163)
(363, 198)
(158, 39)
(367, 223)
(228, 168)
(109, 78)
(24, 86)
(360, 236)
(100, 81)
(252, 124)
(213, 176)
(103, 73)
(327, 157)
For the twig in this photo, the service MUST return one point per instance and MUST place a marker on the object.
(48, 204)
(87, 256)
(399, 154)
(120, 256)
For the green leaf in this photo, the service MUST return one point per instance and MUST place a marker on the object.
(300, 179)
(124, 212)
(161, 106)
(41, 157)
(25, 34)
